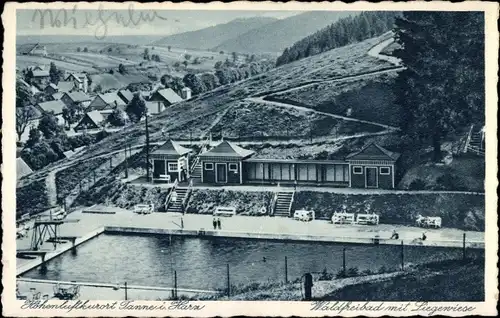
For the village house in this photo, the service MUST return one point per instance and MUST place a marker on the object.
(80, 81)
(50, 89)
(56, 107)
(76, 99)
(170, 162)
(32, 49)
(91, 120)
(167, 96)
(371, 167)
(22, 168)
(186, 93)
(41, 78)
(106, 103)
(56, 96)
(65, 86)
(125, 95)
(154, 108)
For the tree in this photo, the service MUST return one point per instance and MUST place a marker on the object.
(218, 65)
(49, 126)
(78, 49)
(117, 118)
(33, 137)
(69, 115)
(442, 87)
(187, 57)
(28, 76)
(194, 83)
(221, 52)
(185, 63)
(136, 109)
(235, 56)
(196, 60)
(177, 64)
(54, 73)
(23, 116)
(110, 49)
(98, 89)
(169, 48)
(85, 49)
(121, 69)
(146, 54)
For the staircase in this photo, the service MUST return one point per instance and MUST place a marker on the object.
(177, 205)
(196, 173)
(475, 142)
(284, 201)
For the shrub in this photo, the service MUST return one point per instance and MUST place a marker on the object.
(325, 275)
(352, 272)
(417, 184)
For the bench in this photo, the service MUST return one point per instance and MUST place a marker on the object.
(165, 177)
(343, 218)
(143, 208)
(224, 211)
(429, 221)
(367, 219)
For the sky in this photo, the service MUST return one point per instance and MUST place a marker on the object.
(105, 22)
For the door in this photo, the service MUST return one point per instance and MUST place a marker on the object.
(158, 168)
(371, 177)
(221, 173)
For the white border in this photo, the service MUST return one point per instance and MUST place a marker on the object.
(11, 306)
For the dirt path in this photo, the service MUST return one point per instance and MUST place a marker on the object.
(216, 121)
(375, 52)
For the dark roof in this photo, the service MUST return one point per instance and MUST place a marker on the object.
(171, 148)
(56, 106)
(372, 151)
(169, 95)
(227, 149)
(54, 86)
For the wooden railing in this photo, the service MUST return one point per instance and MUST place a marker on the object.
(197, 159)
(186, 197)
(273, 203)
(467, 140)
(169, 196)
(291, 203)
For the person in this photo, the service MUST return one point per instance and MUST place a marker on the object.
(424, 236)
(182, 223)
(214, 222)
(395, 235)
(218, 223)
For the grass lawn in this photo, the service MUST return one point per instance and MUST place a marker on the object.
(440, 281)
(369, 98)
(460, 211)
(31, 198)
(68, 179)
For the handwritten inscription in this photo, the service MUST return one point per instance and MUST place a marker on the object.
(69, 306)
(420, 307)
(99, 18)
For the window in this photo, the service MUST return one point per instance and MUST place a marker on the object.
(357, 170)
(209, 166)
(385, 170)
(233, 167)
(172, 167)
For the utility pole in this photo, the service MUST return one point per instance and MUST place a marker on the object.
(126, 163)
(286, 270)
(126, 296)
(463, 247)
(175, 284)
(402, 256)
(228, 283)
(343, 262)
(147, 149)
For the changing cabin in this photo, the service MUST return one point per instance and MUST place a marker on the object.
(170, 162)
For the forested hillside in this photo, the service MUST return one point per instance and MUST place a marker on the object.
(343, 32)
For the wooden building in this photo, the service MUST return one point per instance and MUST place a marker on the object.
(223, 164)
(372, 167)
(170, 162)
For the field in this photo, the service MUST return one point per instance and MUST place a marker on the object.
(23, 61)
(275, 122)
(370, 98)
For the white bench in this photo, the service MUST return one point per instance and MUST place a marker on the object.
(343, 218)
(303, 215)
(143, 208)
(165, 177)
(367, 219)
(429, 221)
(224, 211)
